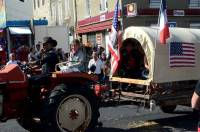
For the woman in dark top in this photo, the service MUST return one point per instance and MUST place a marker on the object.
(130, 61)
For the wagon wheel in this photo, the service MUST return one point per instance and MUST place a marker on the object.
(72, 110)
(168, 108)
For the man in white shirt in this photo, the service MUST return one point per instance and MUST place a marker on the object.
(12, 59)
(38, 50)
(95, 65)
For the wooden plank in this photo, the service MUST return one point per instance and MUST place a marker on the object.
(135, 95)
(132, 81)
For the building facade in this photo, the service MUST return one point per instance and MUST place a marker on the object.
(94, 20)
(57, 12)
(15, 16)
(94, 16)
(42, 10)
(181, 13)
(18, 10)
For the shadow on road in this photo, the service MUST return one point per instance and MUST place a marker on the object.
(134, 130)
(185, 122)
(178, 123)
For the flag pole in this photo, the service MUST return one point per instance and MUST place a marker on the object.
(156, 36)
(158, 24)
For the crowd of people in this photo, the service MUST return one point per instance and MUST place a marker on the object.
(45, 56)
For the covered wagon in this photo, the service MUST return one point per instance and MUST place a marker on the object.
(173, 68)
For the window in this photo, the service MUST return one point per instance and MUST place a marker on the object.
(91, 37)
(195, 25)
(154, 3)
(194, 4)
(43, 2)
(60, 13)
(53, 11)
(38, 3)
(88, 13)
(67, 9)
(34, 4)
(103, 5)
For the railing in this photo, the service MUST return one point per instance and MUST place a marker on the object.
(59, 65)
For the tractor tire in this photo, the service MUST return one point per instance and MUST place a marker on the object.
(28, 124)
(26, 119)
(168, 109)
(71, 109)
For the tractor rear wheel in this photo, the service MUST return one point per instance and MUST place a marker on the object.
(71, 109)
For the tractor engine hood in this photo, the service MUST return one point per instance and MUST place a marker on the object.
(12, 74)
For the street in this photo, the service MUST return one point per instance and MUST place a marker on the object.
(131, 118)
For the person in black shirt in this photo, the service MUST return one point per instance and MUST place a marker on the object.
(49, 58)
(195, 102)
(48, 61)
(130, 61)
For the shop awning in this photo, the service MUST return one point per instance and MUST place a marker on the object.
(20, 30)
(94, 27)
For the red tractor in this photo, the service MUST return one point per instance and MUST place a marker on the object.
(63, 102)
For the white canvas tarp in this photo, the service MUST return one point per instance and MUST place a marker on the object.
(158, 55)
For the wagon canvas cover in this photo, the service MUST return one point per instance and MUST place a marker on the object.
(177, 60)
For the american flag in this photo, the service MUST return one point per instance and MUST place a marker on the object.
(182, 54)
(112, 45)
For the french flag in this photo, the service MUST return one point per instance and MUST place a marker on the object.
(164, 29)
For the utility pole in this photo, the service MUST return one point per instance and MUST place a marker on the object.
(75, 18)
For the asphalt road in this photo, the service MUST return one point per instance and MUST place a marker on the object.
(130, 118)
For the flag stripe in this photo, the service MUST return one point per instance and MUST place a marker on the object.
(188, 44)
(164, 29)
(189, 51)
(176, 58)
(112, 41)
(182, 62)
(181, 66)
(185, 55)
(113, 52)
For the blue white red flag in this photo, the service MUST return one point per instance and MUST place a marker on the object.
(112, 45)
(164, 29)
(182, 54)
